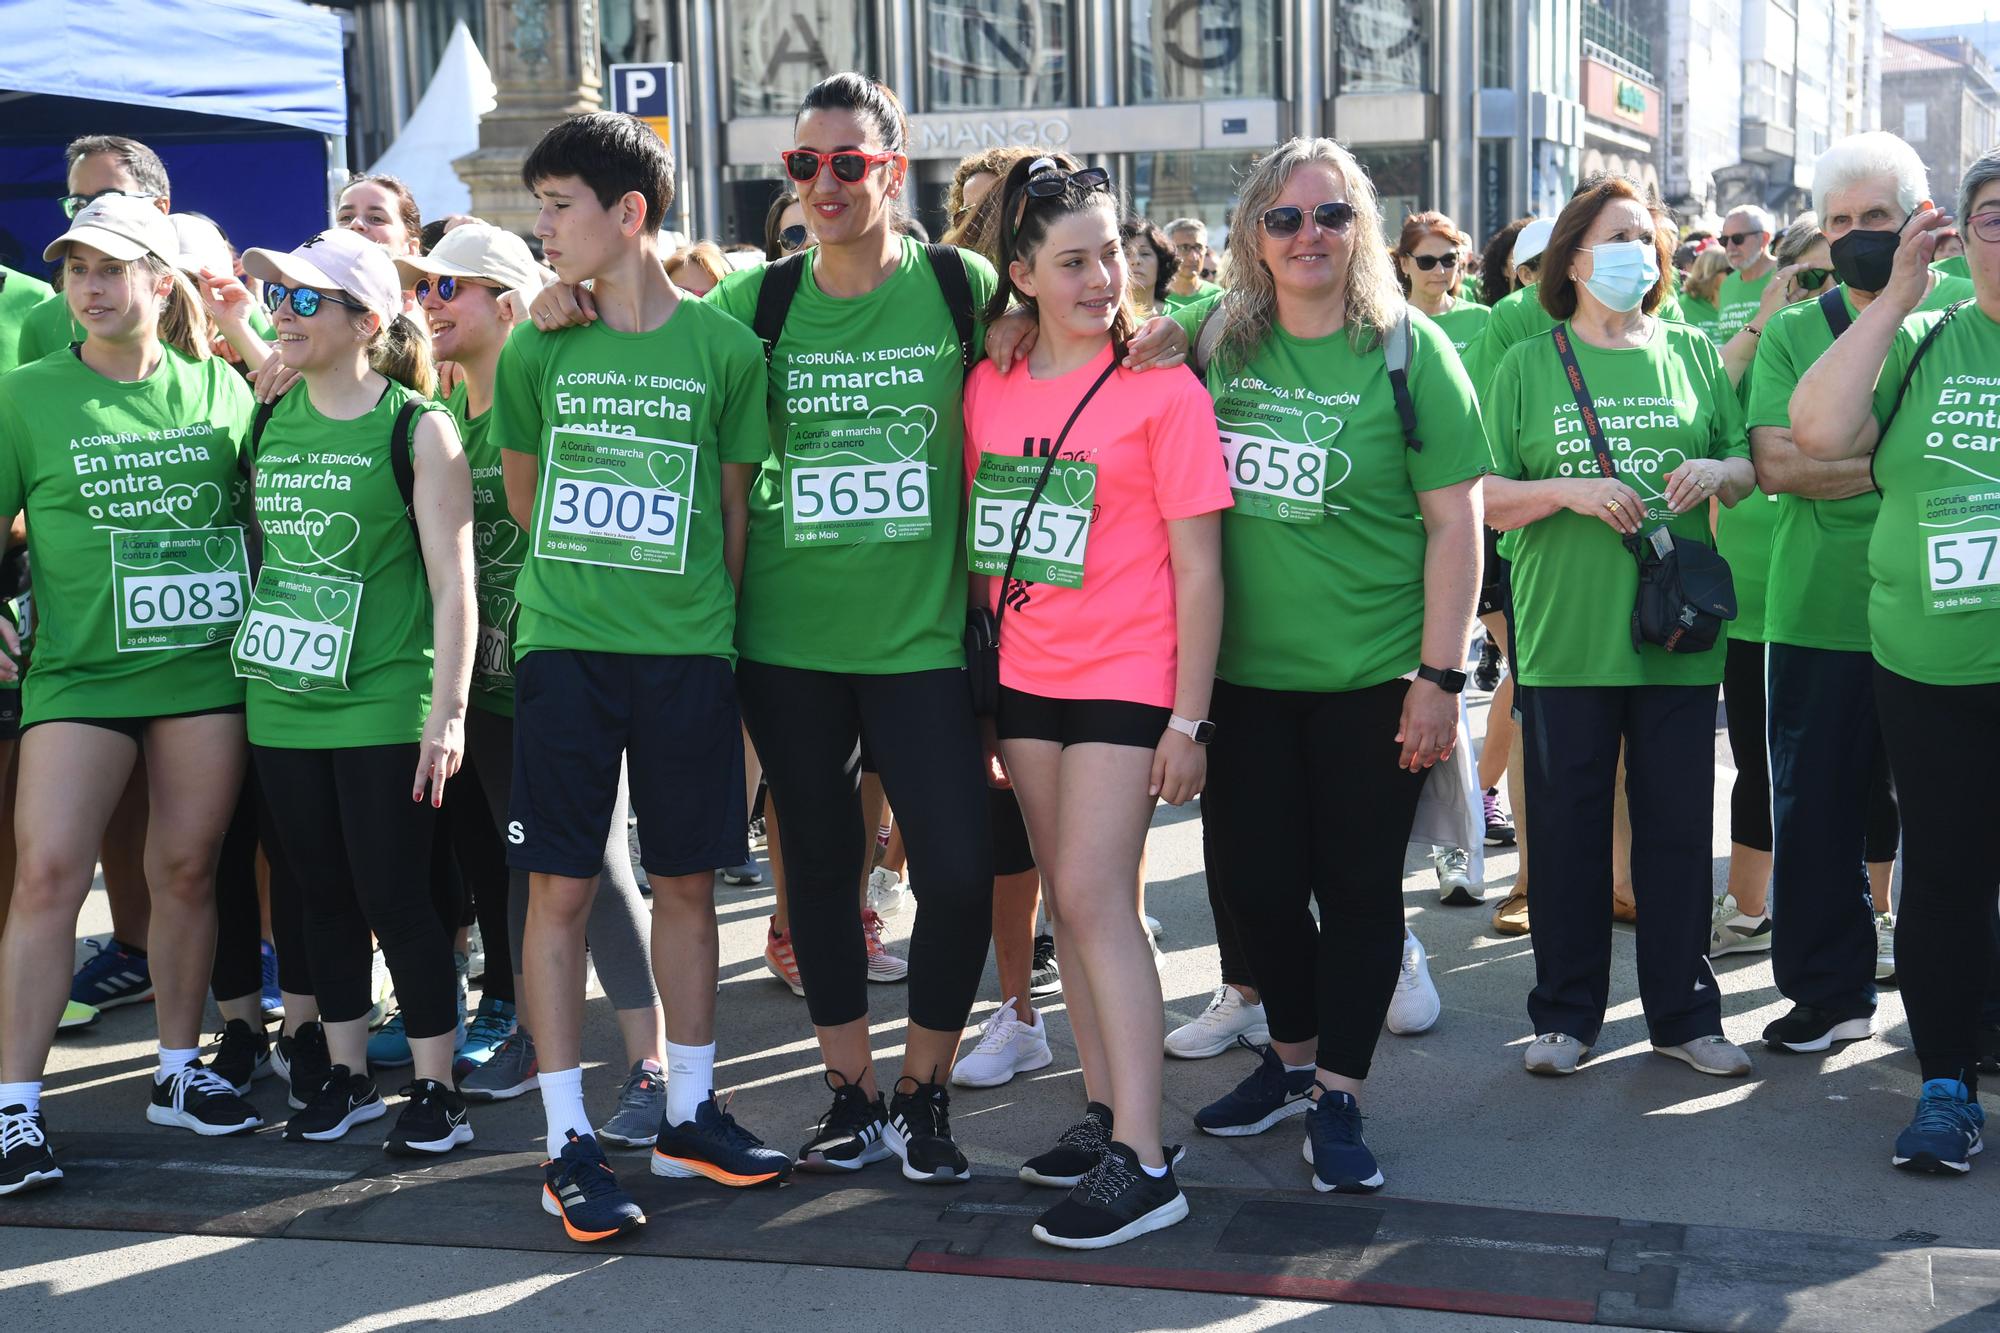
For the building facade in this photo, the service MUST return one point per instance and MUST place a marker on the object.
(1939, 93)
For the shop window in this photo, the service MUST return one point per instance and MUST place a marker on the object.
(1384, 46)
(1195, 50)
(780, 48)
(982, 54)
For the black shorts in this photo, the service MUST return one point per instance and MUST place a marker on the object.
(133, 728)
(1035, 717)
(1011, 853)
(10, 714)
(673, 720)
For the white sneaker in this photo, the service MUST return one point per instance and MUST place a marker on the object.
(1730, 931)
(886, 891)
(1885, 946)
(1455, 886)
(1227, 1017)
(1415, 1006)
(382, 990)
(1152, 925)
(1007, 1047)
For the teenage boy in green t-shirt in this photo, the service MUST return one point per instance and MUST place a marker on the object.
(630, 445)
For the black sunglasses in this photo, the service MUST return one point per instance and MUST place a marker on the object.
(447, 287)
(803, 165)
(1812, 279)
(1049, 184)
(72, 204)
(1429, 262)
(305, 300)
(1286, 219)
(1738, 237)
(793, 237)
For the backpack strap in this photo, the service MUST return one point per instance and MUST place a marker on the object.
(1396, 348)
(248, 460)
(403, 463)
(1207, 338)
(948, 266)
(774, 299)
(1835, 309)
(1911, 373)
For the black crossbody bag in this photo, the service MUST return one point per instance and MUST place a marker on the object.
(982, 626)
(1685, 588)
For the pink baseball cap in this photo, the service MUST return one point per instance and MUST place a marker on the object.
(336, 260)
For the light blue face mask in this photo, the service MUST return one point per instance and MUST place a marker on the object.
(1622, 272)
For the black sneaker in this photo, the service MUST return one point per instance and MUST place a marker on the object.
(303, 1061)
(920, 1134)
(1807, 1028)
(1989, 1049)
(201, 1100)
(852, 1133)
(26, 1161)
(1115, 1203)
(242, 1057)
(1044, 978)
(433, 1121)
(580, 1188)
(713, 1145)
(1268, 1094)
(1486, 676)
(344, 1099)
(1077, 1151)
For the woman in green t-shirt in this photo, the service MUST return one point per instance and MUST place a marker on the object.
(1669, 419)
(1430, 260)
(367, 581)
(1917, 392)
(121, 454)
(1350, 564)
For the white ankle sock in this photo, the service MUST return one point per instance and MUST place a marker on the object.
(562, 1106)
(690, 1079)
(22, 1094)
(1300, 1069)
(1156, 1172)
(173, 1061)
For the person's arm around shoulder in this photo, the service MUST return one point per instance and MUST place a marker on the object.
(517, 423)
(442, 502)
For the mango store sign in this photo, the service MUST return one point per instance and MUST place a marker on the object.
(936, 136)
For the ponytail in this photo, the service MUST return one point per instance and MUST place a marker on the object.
(184, 323)
(402, 351)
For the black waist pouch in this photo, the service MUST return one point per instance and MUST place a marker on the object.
(1685, 593)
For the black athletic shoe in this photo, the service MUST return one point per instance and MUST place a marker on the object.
(203, 1101)
(852, 1133)
(1486, 676)
(433, 1121)
(1044, 978)
(26, 1162)
(1989, 1049)
(304, 1062)
(344, 1100)
(243, 1056)
(1076, 1154)
(1113, 1204)
(1807, 1028)
(920, 1134)
(580, 1188)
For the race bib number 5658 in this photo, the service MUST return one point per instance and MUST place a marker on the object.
(619, 500)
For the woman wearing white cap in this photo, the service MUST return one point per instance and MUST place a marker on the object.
(124, 457)
(365, 503)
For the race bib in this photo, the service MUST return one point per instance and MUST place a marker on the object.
(1961, 537)
(183, 588)
(493, 661)
(618, 500)
(856, 481)
(299, 633)
(1053, 538)
(1274, 479)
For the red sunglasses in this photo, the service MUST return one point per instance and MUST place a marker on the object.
(849, 165)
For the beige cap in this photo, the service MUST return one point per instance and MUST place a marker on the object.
(478, 250)
(122, 227)
(336, 260)
(201, 245)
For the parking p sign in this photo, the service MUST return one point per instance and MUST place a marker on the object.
(650, 92)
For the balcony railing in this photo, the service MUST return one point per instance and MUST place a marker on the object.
(1619, 38)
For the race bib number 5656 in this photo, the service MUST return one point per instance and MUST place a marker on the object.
(619, 500)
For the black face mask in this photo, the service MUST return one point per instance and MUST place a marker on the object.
(1864, 259)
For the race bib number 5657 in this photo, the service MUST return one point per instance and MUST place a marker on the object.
(1053, 536)
(619, 500)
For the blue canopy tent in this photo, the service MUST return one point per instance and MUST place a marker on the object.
(244, 100)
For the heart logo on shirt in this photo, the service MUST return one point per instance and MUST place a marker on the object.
(495, 542)
(220, 552)
(1079, 483)
(1648, 469)
(329, 536)
(1321, 428)
(912, 435)
(202, 504)
(669, 470)
(1338, 467)
(332, 603)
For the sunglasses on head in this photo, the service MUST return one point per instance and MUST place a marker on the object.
(792, 237)
(1050, 183)
(1286, 219)
(1429, 262)
(72, 204)
(1735, 238)
(446, 287)
(804, 165)
(305, 300)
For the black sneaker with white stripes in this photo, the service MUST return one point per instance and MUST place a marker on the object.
(199, 1099)
(1114, 1203)
(343, 1100)
(433, 1121)
(242, 1057)
(1077, 1151)
(920, 1133)
(26, 1161)
(851, 1134)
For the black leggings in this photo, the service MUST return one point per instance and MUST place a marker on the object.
(1941, 741)
(473, 845)
(361, 850)
(807, 727)
(239, 927)
(1228, 940)
(1744, 702)
(1304, 800)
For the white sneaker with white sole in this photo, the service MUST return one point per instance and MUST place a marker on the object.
(1007, 1047)
(1216, 1029)
(1415, 1006)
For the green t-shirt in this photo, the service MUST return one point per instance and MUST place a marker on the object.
(1934, 612)
(1736, 303)
(48, 328)
(1202, 290)
(1463, 324)
(1743, 535)
(1954, 267)
(1338, 603)
(19, 295)
(889, 356)
(134, 504)
(1818, 595)
(1470, 288)
(1699, 314)
(1574, 581)
(499, 548)
(331, 511)
(627, 552)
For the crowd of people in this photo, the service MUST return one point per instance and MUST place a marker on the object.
(377, 583)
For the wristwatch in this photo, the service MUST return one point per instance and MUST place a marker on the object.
(1450, 680)
(1201, 733)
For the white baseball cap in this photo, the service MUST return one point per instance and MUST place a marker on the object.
(336, 260)
(478, 250)
(201, 245)
(122, 227)
(1532, 239)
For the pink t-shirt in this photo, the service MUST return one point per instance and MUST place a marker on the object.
(1152, 437)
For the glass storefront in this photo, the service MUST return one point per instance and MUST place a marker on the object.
(780, 48)
(980, 54)
(1402, 182)
(1194, 50)
(1384, 46)
(1165, 186)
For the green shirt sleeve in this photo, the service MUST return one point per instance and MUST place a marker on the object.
(1774, 375)
(736, 295)
(46, 329)
(1727, 436)
(1447, 413)
(743, 427)
(13, 461)
(1501, 410)
(517, 406)
(1190, 316)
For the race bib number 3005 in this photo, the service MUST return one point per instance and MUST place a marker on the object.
(619, 500)
(299, 633)
(1961, 536)
(1273, 478)
(183, 588)
(1053, 537)
(855, 481)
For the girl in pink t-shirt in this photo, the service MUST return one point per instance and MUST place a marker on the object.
(1111, 484)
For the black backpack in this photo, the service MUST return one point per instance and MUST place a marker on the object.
(781, 284)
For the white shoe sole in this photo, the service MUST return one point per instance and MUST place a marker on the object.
(1158, 1220)
(1285, 1112)
(1259, 1035)
(172, 1119)
(1854, 1029)
(1557, 1071)
(1041, 1059)
(1417, 1029)
(621, 1141)
(533, 1082)
(1756, 944)
(459, 1134)
(102, 1006)
(32, 1179)
(901, 1149)
(1921, 1162)
(360, 1115)
(887, 975)
(879, 1151)
(1713, 1071)
(1368, 1186)
(798, 989)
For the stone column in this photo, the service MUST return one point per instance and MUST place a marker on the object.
(545, 57)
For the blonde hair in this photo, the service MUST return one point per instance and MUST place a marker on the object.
(184, 323)
(1705, 275)
(1250, 304)
(402, 351)
(704, 255)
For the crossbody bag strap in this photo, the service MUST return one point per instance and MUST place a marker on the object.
(1834, 307)
(1041, 482)
(1600, 448)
